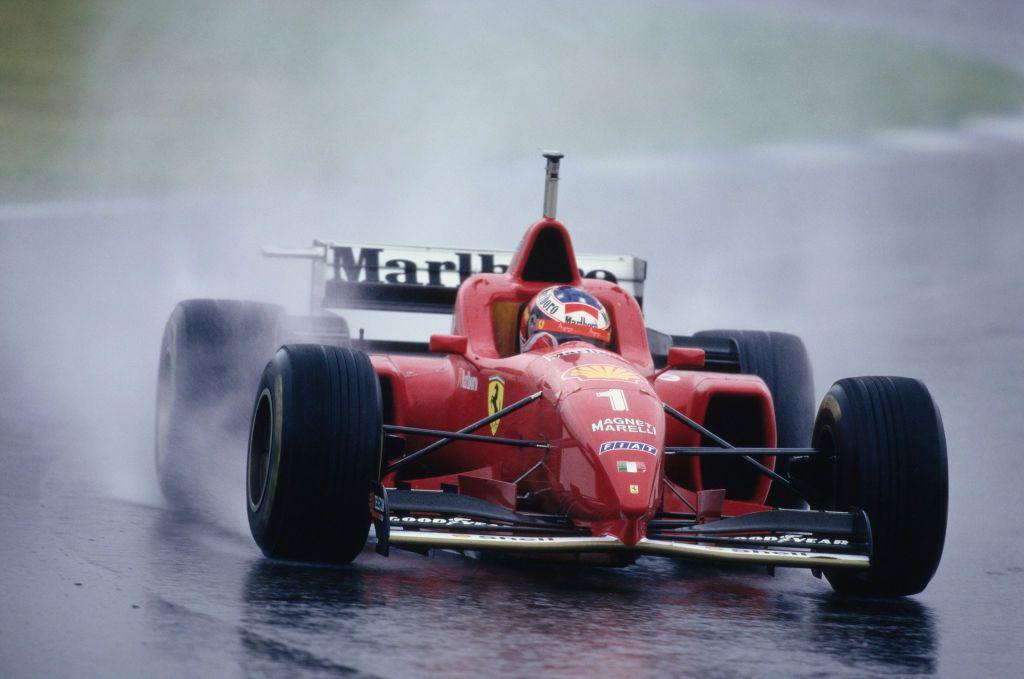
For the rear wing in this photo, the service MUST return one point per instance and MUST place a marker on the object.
(424, 279)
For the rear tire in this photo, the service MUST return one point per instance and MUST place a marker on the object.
(314, 448)
(889, 460)
(781, 360)
(210, 360)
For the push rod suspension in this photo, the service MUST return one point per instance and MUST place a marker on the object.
(725, 444)
(680, 496)
(529, 471)
(440, 443)
(737, 452)
(419, 431)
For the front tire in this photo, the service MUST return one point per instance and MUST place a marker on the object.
(314, 448)
(888, 447)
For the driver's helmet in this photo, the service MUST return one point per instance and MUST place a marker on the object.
(563, 313)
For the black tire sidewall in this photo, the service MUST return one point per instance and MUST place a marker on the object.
(325, 449)
(890, 461)
(265, 520)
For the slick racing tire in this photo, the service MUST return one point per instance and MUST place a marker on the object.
(781, 360)
(314, 448)
(888, 451)
(210, 361)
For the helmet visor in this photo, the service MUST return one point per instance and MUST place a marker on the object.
(573, 330)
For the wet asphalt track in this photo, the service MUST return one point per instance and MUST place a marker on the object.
(892, 254)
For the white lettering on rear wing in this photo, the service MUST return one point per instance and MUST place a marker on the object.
(407, 278)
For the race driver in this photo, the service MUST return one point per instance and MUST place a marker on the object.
(563, 313)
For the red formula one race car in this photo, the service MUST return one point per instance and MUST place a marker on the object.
(552, 423)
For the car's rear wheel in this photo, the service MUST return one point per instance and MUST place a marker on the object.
(314, 448)
(781, 360)
(210, 360)
(886, 455)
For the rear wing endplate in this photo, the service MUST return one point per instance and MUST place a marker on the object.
(424, 279)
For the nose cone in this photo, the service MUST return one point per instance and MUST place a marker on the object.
(619, 427)
(608, 473)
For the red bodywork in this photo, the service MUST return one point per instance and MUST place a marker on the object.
(590, 398)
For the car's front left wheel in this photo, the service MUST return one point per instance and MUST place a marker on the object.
(884, 452)
(314, 448)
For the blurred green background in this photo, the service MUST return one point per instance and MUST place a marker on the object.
(117, 98)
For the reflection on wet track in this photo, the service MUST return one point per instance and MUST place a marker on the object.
(522, 620)
(208, 600)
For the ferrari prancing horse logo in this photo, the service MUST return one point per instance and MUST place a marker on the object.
(495, 399)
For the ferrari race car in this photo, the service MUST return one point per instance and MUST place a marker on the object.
(698, 447)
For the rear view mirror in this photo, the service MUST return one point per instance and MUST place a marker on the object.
(456, 344)
(685, 357)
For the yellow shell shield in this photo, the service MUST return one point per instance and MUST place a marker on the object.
(602, 371)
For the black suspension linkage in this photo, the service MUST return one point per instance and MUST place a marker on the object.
(680, 496)
(739, 451)
(398, 429)
(452, 436)
(746, 458)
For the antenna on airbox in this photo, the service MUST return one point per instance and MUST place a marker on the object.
(551, 183)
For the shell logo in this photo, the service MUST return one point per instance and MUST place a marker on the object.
(601, 371)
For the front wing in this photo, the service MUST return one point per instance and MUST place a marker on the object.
(424, 520)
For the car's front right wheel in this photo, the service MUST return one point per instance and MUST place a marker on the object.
(314, 448)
